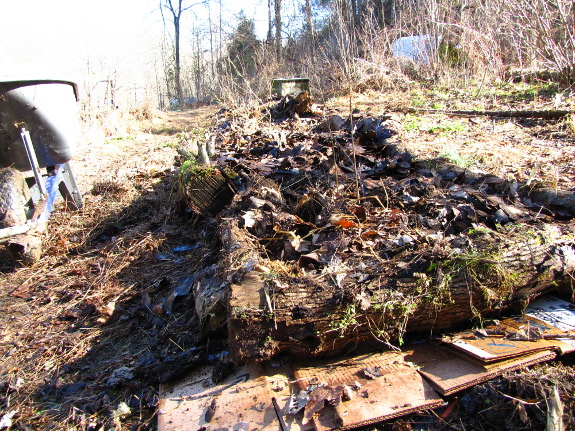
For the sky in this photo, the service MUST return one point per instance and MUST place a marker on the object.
(89, 40)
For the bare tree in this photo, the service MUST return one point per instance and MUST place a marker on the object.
(270, 21)
(309, 26)
(176, 9)
(278, 25)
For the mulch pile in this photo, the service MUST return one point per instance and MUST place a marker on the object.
(88, 333)
(342, 202)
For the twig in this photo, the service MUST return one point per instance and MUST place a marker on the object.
(353, 144)
(527, 403)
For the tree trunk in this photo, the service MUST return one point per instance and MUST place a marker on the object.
(309, 26)
(389, 12)
(270, 21)
(354, 15)
(439, 288)
(212, 60)
(177, 66)
(176, 18)
(278, 24)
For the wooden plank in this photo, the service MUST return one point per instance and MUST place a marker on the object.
(448, 373)
(250, 294)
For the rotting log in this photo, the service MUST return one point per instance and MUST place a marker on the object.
(239, 255)
(440, 288)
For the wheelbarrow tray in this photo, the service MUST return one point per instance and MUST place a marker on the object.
(48, 110)
(38, 130)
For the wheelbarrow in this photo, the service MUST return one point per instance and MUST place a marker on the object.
(39, 130)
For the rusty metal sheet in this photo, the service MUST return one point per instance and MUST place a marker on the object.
(552, 321)
(448, 373)
(381, 385)
(242, 402)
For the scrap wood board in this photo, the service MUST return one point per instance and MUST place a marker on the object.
(242, 402)
(549, 315)
(448, 373)
(385, 387)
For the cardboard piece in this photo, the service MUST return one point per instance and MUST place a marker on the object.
(557, 316)
(550, 316)
(242, 402)
(448, 373)
(388, 388)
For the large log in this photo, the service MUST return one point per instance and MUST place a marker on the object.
(436, 286)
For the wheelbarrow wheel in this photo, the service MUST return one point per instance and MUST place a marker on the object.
(14, 194)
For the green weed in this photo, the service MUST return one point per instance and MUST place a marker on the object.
(448, 127)
(412, 123)
(348, 320)
(119, 139)
(457, 159)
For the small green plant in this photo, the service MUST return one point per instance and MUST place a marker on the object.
(190, 168)
(418, 99)
(418, 102)
(119, 139)
(395, 311)
(525, 91)
(348, 320)
(411, 123)
(479, 230)
(448, 127)
(457, 159)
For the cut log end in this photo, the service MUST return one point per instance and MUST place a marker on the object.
(204, 190)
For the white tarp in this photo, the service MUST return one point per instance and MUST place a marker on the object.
(420, 49)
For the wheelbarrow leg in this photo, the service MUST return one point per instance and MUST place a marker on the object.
(69, 189)
(31, 153)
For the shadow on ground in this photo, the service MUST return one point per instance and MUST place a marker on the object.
(99, 326)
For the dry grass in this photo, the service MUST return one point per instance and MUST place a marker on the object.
(536, 150)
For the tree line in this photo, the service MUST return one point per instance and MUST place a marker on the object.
(340, 43)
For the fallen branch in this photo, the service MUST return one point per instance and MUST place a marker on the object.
(547, 114)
